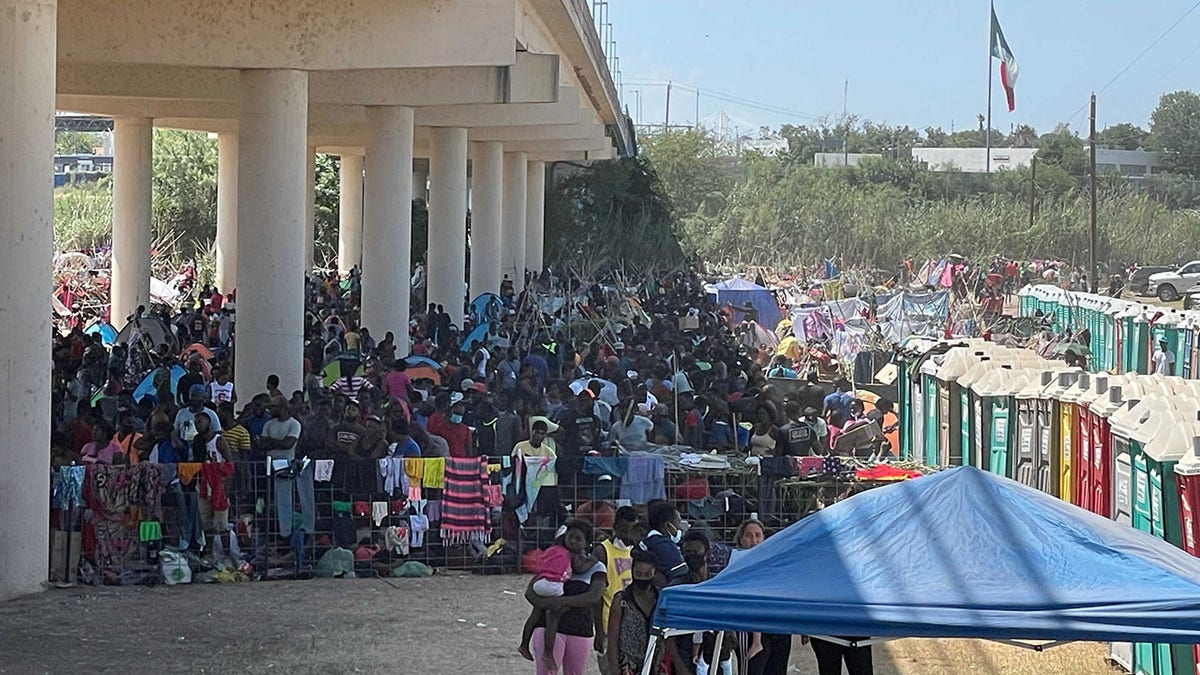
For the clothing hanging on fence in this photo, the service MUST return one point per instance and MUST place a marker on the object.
(464, 512)
(644, 480)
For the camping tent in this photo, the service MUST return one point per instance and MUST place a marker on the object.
(146, 386)
(958, 554)
(156, 328)
(738, 291)
(486, 309)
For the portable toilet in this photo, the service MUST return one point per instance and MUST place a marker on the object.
(1128, 338)
(1032, 459)
(1184, 358)
(1170, 442)
(1122, 510)
(1068, 425)
(1050, 435)
(930, 408)
(996, 391)
(1140, 351)
(1101, 472)
(949, 395)
(1128, 427)
(1087, 440)
(978, 425)
(1187, 484)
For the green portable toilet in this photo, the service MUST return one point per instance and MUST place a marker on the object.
(930, 406)
(978, 425)
(1140, 352)
(996, 391)
(1185, 358)
(1170, 441)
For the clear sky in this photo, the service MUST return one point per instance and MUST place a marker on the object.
(914, 62)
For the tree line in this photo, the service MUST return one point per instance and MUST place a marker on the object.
(783, 211)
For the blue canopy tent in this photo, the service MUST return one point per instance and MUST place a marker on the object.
(738, 291)
(959, 554)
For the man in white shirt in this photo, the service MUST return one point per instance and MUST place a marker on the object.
(1163, 360)
(280, 433)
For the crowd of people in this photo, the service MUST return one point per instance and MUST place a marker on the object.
(671, 371)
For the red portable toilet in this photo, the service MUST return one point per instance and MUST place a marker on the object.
(1100, 473)
(1087, 442)
(1187, 475)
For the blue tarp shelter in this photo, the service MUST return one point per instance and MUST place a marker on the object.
(958, 554)
(146, 386)
(738, 291)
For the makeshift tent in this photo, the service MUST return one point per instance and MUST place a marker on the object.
(737, 291)
(486, 309)
(904, 313)
(414, 360)
(156, 328)
(108, 334)
(146, 386)
(958, 554)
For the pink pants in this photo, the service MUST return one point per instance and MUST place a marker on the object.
(570, 652)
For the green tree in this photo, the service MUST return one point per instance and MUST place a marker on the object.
(68, 142)
(1063, 149)
(185, 185)
(1024, 136)
(695, 172)
(1123, 136)
(1175, 130)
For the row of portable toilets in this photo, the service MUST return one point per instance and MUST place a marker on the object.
(1123, 333)
(1126, 447)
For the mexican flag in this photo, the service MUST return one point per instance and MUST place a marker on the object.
(1008, 62)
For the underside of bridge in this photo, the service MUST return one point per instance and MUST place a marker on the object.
(475, 96)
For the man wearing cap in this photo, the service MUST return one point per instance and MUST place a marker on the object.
(185, 419)
(1163, 360)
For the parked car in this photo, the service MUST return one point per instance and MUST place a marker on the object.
(1169, 285)
(1191, 297)
(1139, 278)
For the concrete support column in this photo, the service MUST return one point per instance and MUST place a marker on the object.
(310, 209)
(387, 222)
(535, 216)
(420, 179)
(272, 128)
(27, 69)
(448, 220)
(487, 216)
(227, 177)
(512, 261)
(133, 140)
(350, 212)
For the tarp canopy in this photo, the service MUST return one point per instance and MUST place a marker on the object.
(738, 291)
(906, 313)
(958, 554)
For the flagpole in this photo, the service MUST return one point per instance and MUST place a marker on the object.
(987, 134)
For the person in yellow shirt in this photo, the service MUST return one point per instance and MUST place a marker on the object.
(539, 445)
(615, 554)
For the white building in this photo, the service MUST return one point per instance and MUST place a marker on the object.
(1131, 163)
(828, 159)
(972, 160)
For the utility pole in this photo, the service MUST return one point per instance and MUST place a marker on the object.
(1032, 190)
(697, 124)
(1092, 233)
(667, 116)
(845, 122)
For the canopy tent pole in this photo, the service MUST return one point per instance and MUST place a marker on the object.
(715, 665)
(651, 647)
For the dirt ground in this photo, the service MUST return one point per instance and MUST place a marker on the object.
(444, 624)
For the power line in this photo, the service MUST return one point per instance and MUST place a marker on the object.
(1139, 56)
(729, 98)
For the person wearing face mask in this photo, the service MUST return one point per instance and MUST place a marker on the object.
(662, 542)
(451, 428)
(616, 554)
(629, 620)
